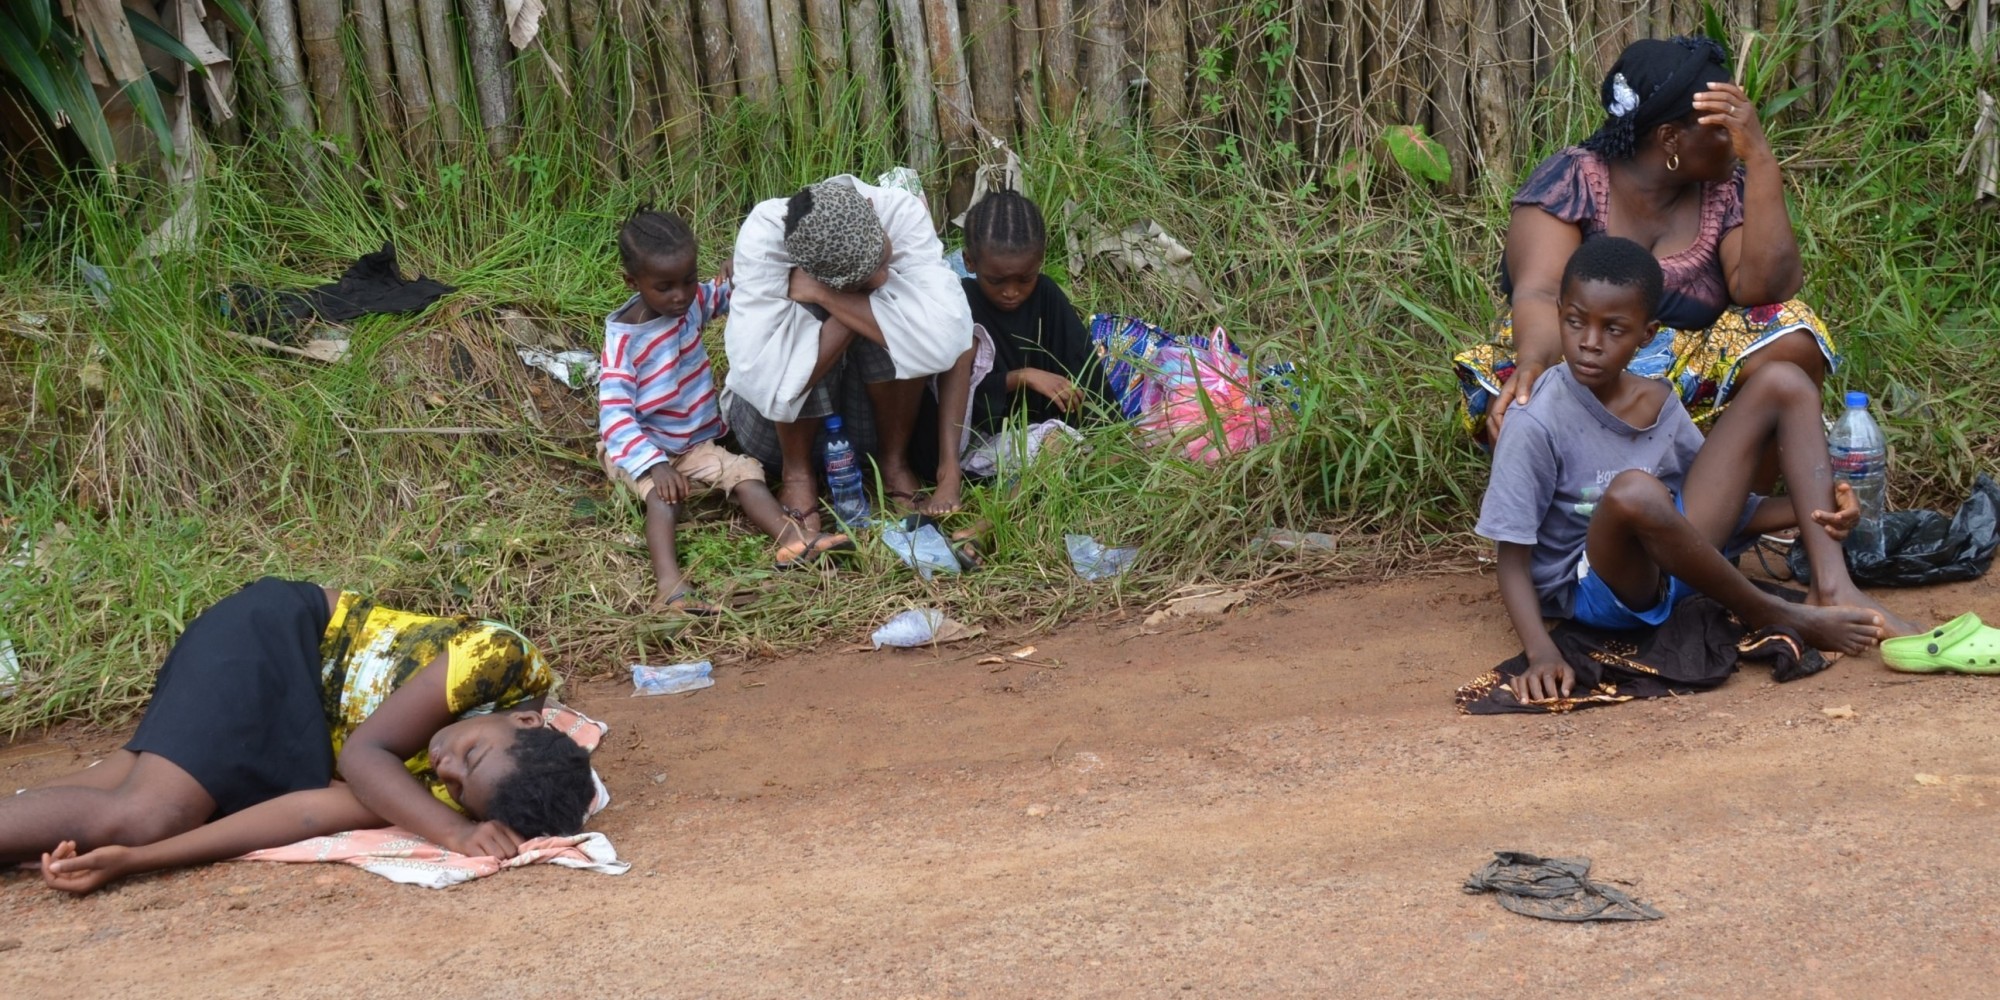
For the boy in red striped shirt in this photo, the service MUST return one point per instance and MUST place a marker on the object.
(657, 417)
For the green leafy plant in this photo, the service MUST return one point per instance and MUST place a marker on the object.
(44, 56)
(1420, 156)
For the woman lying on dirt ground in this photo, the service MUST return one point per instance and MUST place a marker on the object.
(434, 724)
(1681, 166)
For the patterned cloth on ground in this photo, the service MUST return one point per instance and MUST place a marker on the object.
(401, 856)
(1696, 649)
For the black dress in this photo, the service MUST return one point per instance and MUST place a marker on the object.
(238, 703)
(1045, 333)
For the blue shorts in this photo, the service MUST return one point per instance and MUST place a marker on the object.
(1597, 607)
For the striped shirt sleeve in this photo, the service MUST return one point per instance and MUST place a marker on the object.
(618, 425)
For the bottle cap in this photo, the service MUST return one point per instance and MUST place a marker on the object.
(833, 419)
(1857, 400)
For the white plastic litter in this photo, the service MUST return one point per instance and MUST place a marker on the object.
(915, 627)
(924, 550)
(1094, 561)
(673, 679)
(10, 669)
(576, 369)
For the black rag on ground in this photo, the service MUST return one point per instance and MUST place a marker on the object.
(372, 284)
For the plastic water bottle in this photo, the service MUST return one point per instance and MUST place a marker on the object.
(843, 476)
(1861, 460)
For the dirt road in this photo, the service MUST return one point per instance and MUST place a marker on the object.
(1281, 804)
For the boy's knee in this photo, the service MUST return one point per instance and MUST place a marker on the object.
(1633, 493)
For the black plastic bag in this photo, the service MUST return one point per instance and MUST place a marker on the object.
(1921, 547)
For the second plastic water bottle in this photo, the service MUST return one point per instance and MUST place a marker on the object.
(1861, 460)
(843, 476)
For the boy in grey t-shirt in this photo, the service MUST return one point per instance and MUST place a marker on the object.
(1609, 507)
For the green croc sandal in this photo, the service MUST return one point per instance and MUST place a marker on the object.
(1963, 645)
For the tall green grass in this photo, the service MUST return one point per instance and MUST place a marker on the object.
(152, 464)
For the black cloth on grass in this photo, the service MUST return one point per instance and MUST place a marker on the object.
(1554, 889)
(237, 702)
(1695, 649)
(373, 284)
(1922, 547)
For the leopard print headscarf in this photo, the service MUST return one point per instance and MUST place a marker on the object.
(832, 232)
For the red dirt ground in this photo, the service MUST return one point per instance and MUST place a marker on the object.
(1280, 804)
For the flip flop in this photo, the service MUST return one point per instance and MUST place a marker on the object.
(1963, 645)
(817, 547)
(688, 603)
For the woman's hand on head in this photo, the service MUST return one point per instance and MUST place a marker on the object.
(488, 839)
(71, 872)
(1727, 105)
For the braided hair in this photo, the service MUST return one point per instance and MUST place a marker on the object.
(650, 235)
(1005, 222)
(1652, 83)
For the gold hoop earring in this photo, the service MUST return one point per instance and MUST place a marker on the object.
(1673, 161)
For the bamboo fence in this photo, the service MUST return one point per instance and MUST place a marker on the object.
(1308, 80)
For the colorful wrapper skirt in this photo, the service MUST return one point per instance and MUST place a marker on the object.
(1701, 364)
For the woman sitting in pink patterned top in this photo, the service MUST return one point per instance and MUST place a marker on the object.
(1682, 167)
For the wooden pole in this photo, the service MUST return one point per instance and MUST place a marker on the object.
(788, 29)
(1163, 29)
(492, 77)
(1805, 65)
(990, 37)
(371, 30)
(864, 57)
(1492, 109)
(954, 97)
(413, 83)
(1059, 56)
(639, 125)
(326, 66)
(281, 39)
(718, 58)
(826, 43)
(1313, 80)
(913, 60)
(441, 51)
(1450, 24)
(1027, 63)
(678, 83)
(756, 62)
(1104, 59)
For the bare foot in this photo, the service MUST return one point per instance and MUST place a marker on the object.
(943, 500)
(800, 499)
(1853, 597)
(1834, 629)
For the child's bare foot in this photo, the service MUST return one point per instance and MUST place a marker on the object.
(1835, 629)
(1853, 597)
